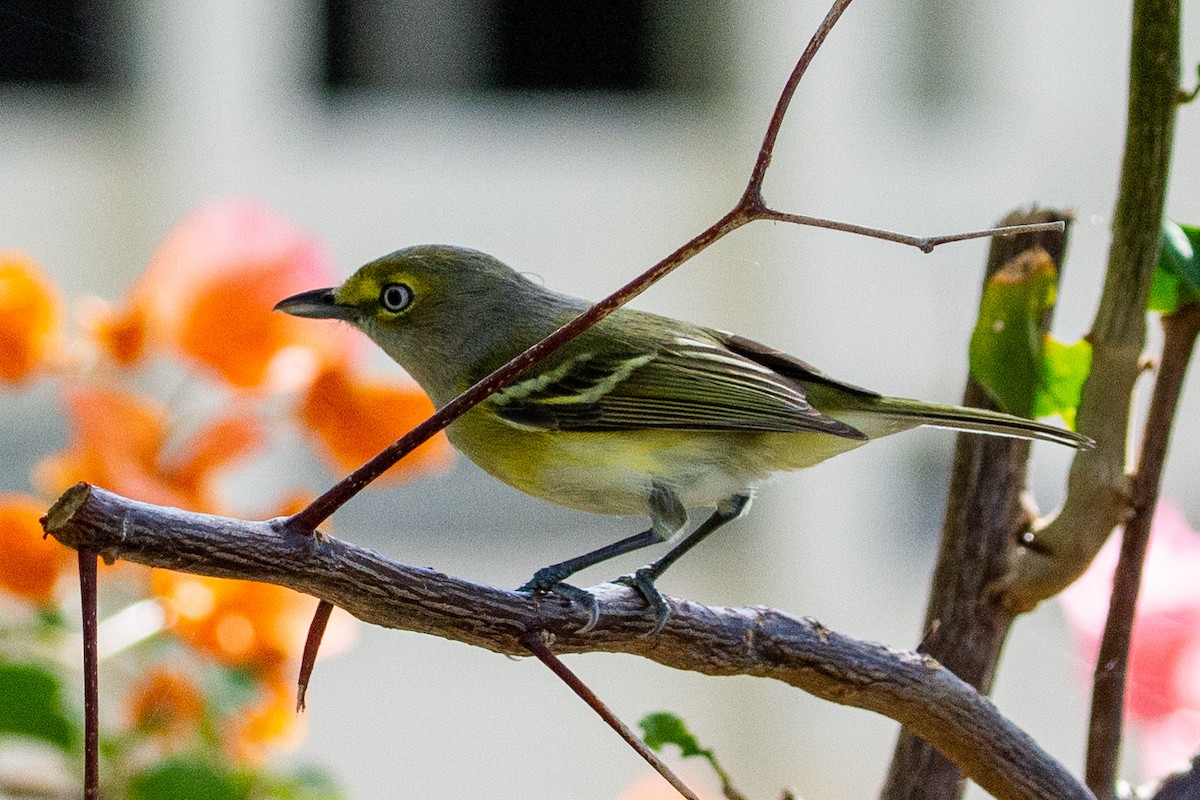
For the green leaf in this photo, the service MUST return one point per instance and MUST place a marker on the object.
(662, 728)
(31, 704)
(1176, 281)
(182, 778)
(1065, 367)
(1027, 372)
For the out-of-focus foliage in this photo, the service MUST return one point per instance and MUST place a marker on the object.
(1177, 280)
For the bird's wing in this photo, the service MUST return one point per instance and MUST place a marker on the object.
(691, 383)
(787, 365)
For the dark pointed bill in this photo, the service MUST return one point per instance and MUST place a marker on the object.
(315, 304)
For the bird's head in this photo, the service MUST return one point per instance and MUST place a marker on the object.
(437, 310)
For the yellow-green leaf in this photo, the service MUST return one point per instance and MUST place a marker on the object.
(1027, 372)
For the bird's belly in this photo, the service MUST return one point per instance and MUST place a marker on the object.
(612, 472)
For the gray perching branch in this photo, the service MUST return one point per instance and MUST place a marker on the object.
(912, 689)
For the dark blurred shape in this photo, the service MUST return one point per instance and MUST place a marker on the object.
(55, 42)
(571, 44)
(338, 35)
(623, 47)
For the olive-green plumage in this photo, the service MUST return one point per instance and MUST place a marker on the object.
(639, 414)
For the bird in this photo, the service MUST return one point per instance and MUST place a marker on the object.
(639, 414)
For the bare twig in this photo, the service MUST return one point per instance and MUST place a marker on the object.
(535, 642)
(923, 243)
(312, 643)
(91, 682)
(1108, 687)
(915, 690)
(1098, 489)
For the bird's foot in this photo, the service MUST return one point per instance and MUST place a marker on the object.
(547, 580)
(642, 581)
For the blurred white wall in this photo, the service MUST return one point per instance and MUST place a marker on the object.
(923, 117)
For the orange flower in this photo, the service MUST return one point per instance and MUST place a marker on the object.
(355, 418)
(119, 332)
(167, 703)
(30, 565)
(30, 318)
(211, 285)
(239, 623)
(118, 442)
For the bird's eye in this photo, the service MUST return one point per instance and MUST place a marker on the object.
(395, 297)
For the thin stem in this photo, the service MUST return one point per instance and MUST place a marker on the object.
(312, 644)
(91, 681)
(536, 644)
(1108, 687)
(753, 193)
(923, 243)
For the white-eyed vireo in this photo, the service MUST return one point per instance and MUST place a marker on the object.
(640, 414)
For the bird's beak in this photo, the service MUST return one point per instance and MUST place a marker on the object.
(315, 304)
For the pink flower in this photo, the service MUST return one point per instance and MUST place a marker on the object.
(209, 290)
(1162, 697)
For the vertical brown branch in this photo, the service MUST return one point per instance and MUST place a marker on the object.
(984, 518)
(1108, 685)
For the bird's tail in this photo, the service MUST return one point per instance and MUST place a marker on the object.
(905, 413)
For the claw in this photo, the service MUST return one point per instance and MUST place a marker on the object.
(544, 581)
(642, 581)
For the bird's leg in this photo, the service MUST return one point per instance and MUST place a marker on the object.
(667, 516)
(643, 579)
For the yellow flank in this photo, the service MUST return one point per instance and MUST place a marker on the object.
(611, 472)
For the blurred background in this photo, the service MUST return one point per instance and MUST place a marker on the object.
(582, 142)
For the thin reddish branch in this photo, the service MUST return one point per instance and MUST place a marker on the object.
(535, 642)
(923, 243)
(312, 643)
(752, 197)
(1108, 686)
(91, 681)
